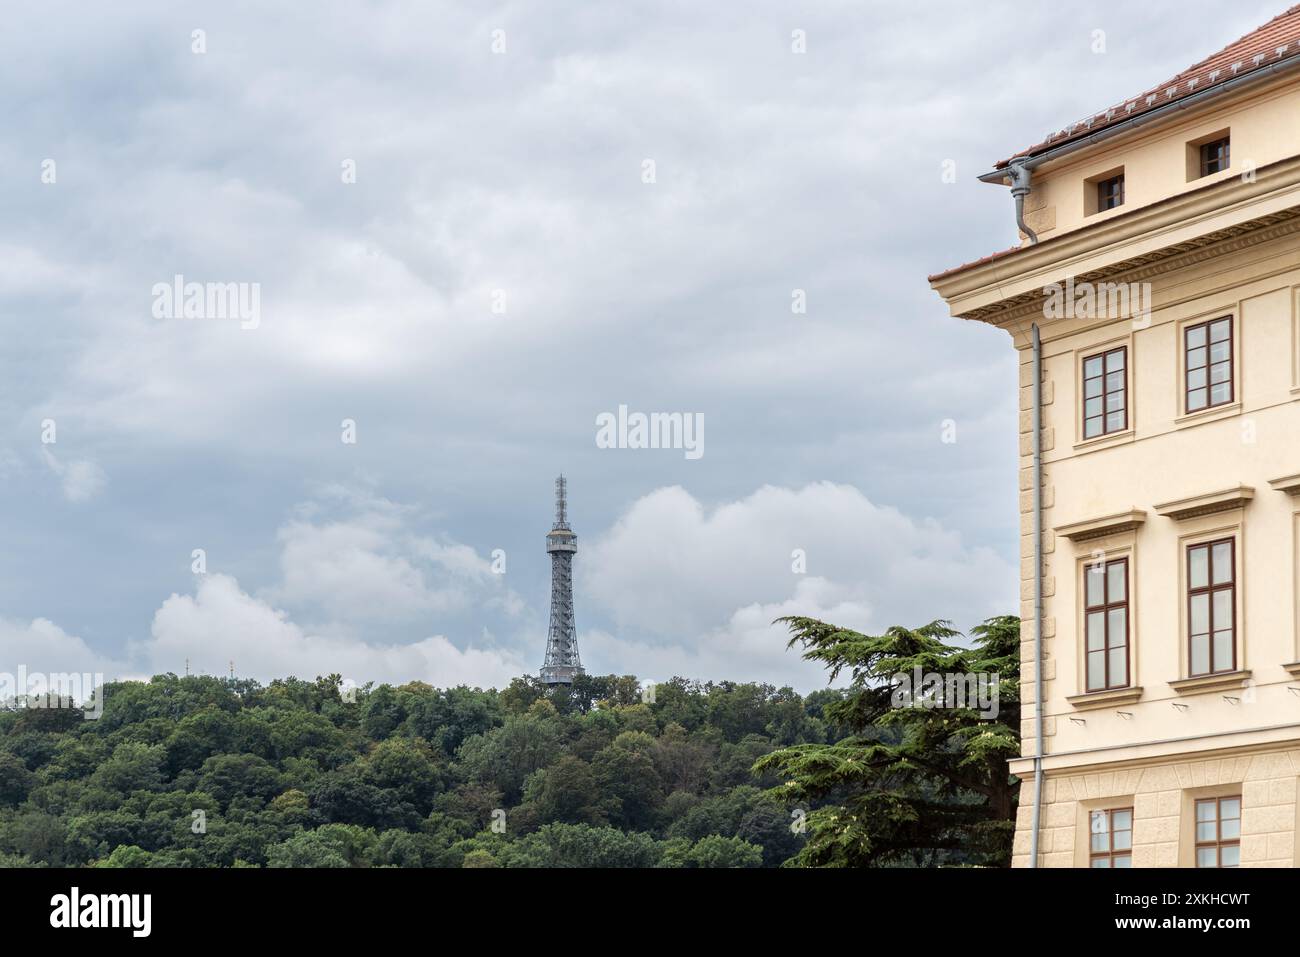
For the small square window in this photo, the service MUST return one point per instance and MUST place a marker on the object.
(1214, 156)
(1110, 193)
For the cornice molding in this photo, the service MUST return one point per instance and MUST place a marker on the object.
(1268, 208)
(1209, 504)
(1089, 529)
(1287, 483)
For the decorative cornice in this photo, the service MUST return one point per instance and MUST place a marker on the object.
(1179, 230)
(1091, 528)
(1287, 483)
(1198, 505)
(1212, 245)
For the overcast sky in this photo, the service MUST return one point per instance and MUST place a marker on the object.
(516, 177)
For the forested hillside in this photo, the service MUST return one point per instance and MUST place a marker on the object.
(208, 772)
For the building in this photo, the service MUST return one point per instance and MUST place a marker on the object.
(1154, 301)
(562, 663)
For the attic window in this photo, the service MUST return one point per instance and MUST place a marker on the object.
(1209, 154)
(1110, 193)
(1214, 157)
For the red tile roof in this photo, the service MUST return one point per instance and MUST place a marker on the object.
(1279, 39)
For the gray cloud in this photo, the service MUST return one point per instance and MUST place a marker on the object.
(518, 173)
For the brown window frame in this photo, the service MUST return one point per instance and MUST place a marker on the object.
(1105, 608)
(1207, 159)
(1104, 356)
(1111, 851)
(1209, 589)
(1110, 193)
(1219, 842)
(1188, 368)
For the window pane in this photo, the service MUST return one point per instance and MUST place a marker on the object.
(1220, 372)
(1114, 400)
(1115, 421)
(1097, 822)
(1206, 857)
(1230, 856)
(1100, 842)
(1220, 393)
(1223, 651)
(1092, 367)
(1220, 330)
(1100, 862)
(1092, 427)
(1092, 388)
(1219, 351)
(1096, 577)
(1201, 655)
(1195, 337)
(1123, 861)
(1118, 667)
(1197, 566)
(1196, 357)
(1096, 670)
(1123, 840)
(1196, 378)
(1205, 831)
(1121, 821)
(1115, 359)
(1096, 631)
(1118, 626)
(1230, 808)
(1092, 406)
(1206, 810)
(1231, 829)
(1222, 562)
(1196, 399)
(1116, 573)
(1200, 622)
(1115, 381)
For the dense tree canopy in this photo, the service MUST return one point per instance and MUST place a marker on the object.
(207, 772)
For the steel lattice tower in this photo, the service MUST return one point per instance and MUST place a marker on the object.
(562, 663)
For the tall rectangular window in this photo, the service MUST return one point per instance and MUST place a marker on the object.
(1211, 608)
(1105, 393)
(1208, 347)
(1106, 617)
(1111, 842)
(1214, 156)
(1218, 832)
(1110, 193)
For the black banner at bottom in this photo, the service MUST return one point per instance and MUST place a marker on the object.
(341, 906)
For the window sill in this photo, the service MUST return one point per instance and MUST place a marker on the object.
(1212, 414)
(1203, 684)
(1293, 669)
(1104, 699)
(1105, 441)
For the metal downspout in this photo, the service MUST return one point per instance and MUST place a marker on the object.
(1038, 592)
(1019, 174)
